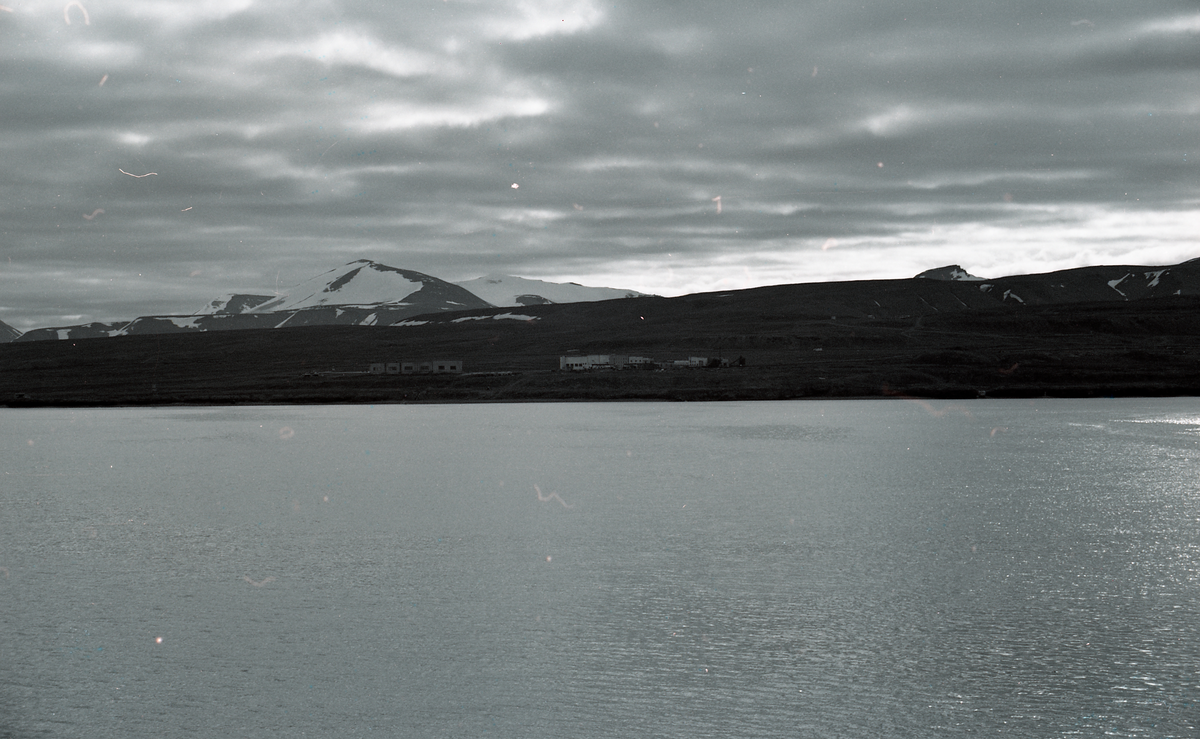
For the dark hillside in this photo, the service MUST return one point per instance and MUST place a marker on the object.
(798, 341)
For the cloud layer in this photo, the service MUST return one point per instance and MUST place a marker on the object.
(672, 148)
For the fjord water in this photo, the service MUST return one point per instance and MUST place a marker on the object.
(805, 569)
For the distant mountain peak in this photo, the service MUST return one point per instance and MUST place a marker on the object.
(951, 272)
(362, 283)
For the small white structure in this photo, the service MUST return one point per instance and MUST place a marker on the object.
(376, 368)
(393, 368)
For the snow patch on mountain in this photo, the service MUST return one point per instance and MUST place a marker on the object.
(497, 317)
(507, 291)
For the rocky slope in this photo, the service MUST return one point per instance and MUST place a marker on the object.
(8, 333)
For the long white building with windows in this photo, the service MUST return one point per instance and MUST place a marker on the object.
(601, 361)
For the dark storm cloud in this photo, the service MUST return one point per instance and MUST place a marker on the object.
(672, 148)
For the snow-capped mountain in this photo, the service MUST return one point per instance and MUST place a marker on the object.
(506, 290)
(362, 283)
(951, 272)
(361, 293)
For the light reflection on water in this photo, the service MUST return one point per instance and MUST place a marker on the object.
(852, 568)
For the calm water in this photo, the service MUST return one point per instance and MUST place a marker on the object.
(808, 569)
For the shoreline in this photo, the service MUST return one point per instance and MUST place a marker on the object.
(450, 393)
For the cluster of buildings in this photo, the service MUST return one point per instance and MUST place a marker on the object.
(436, 367)
(569, 362)
(580, 362)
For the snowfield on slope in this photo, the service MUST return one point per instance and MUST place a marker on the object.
(507, 291)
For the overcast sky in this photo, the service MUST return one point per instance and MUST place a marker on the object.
(157, 154)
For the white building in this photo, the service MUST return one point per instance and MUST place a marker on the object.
(594, 361)
(574, 362)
